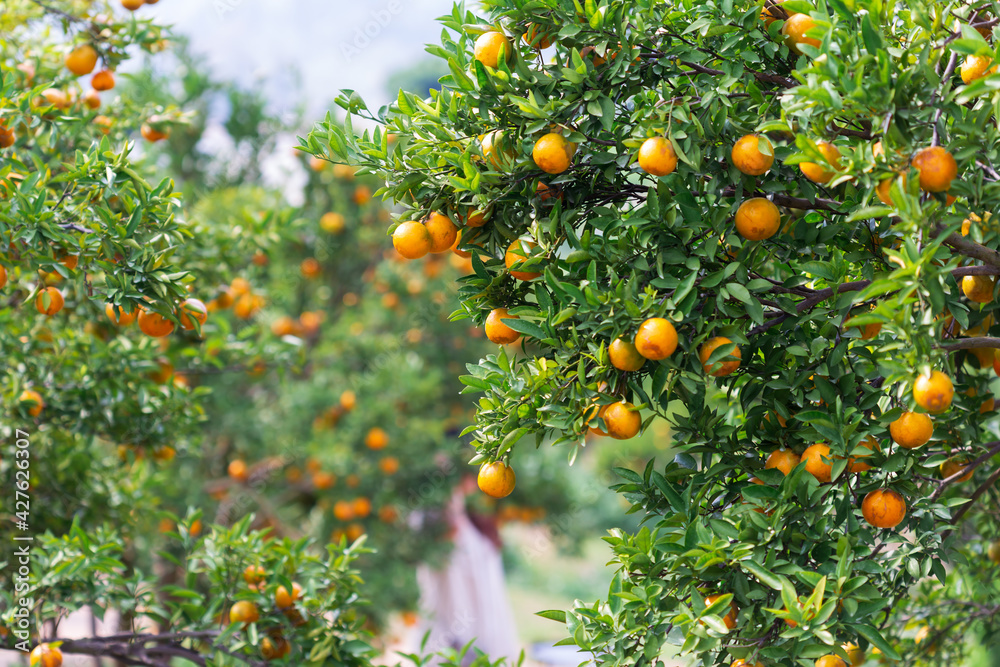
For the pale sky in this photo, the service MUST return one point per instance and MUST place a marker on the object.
(333, 44)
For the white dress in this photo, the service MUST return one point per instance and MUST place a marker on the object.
(466, 598)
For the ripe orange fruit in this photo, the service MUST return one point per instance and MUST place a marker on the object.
(81, 60)
(757, 219)
(922, 634)
(311, 320)
(376, 438)
(246, 306)
(884, 508)
(772, 11)
(244, 612)
(323, 480)
(238, 470)
(937, 168)
(133, 5)
(784, 460)
(933, 392)
(343, 510)
(488, 47)
(747, 156)
(44, 655)
(657, 156)
(741, 662)
(475, 218)
(49, 301)
(191, 311)
(624, 355)
(354, 531)
(412, 240)
(818, 462)
(7, 136)
(317, 163)
(993, 552)
(497, 331)
(953, 465)
(103, 80)
(536, 37)
(730, 618)
(388, 514)
(656, 338)
(855, 654)
(153, 324)
(332, 222)
(118, 316)
(794, 32)
(164, 454)
(911, 429)
(518, 253)
(284, 326)
(552, 153)
(813, 171)
(781, 420)
(831, 660)
(496, 479)
(590, 413)
(622, 420)
(978, 288)
(239, 286)
(443, 232)
(389, 465)
(976, 67)
(33, 401)
(92, 99)
(722, 367)
(273, 648)
(56, 98)
(3, 277)
(494, 149)
(310, 268)
(254, 574)
(163, 373)
(283, 599)
(348, 400)
(854, 464)
(152, 134)
(883, 190)
(362, 507)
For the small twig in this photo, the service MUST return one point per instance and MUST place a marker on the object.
(990, 481)
(969, 467)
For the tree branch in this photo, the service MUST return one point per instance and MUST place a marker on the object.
(990, 481)
(976, 342)
(972, 249)
(969, 467)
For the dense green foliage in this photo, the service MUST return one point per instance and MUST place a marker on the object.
(616, 246)
(314, 337)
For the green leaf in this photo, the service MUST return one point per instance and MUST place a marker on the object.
(875, 639)
(525, 327)
(765, 577)
(553, 615)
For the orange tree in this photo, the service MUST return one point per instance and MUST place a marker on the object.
(355, 431)
(105, 285)
(769, 226)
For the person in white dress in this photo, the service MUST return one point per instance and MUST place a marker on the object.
(465, 598)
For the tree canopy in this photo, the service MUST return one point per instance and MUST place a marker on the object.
(770, 226)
